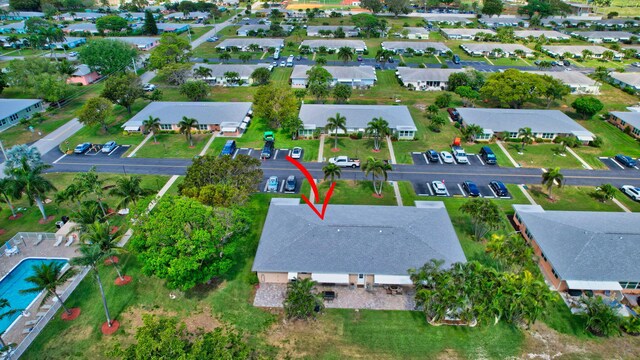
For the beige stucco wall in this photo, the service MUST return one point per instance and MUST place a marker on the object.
(281, 278)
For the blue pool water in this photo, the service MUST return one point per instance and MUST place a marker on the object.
(11, 285)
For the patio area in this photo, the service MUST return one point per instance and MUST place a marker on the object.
(272, 295)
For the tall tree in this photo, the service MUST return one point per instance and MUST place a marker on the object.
(152, 124)
(526, 136)
(195, 90)
(100, 235)
(492, 7)
(336, 123)
(600, 318)
(261, 76)
(123, 90)
(171, 50)
(301, 301)
(90, 184)
(513, 88)
(319, 82)
(331, 171)
(112, 23)
(485, 216)
(107, 56)
(275, 103)
(375, 6)
(51, 87)
(377, 168)
(9, 190)
(552, 177)
(555, 89)
(96, 111)
(202, 72)
(29, 181)
(345, 54)
(397, 7)
(129, 189)
(341, 92)
(587, 106)
(187, 125)
(48, 277)
(149, 27)
(378, 127)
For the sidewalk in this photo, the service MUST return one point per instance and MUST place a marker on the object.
(584, 163)
(392, 153)
(506, 153)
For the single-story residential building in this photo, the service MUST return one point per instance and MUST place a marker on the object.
(193, 15)
(361, 246)
(13, 28)
(172, 28)
(626, 79)
(335, 44)
(576, 51)
(617, 23)
(503, 20)
(548, 34)
(218, 72)
(448, 19)
(425, 79)
(12, 110)
(584, 250)
(349, 31)
(81, 28)
(70, 42)
(413, 33)
(580, 9)
(577, 81)
(137, 16)
(598, 37)
(21, 42)
(244, 43)
(569, 21)
(80, 15)
(254, 30)
(20, 15)
(623, 120)
(83, 75)
(354, 76)
(489, 49)
(400, 47)
(225, 117)
(314, 116)
(144, 43)
(544, 124)
(464, 34)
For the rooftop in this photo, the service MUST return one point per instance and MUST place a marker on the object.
(243, 70)
(136, 40)
(575, 49)
(335, 43)
(415, 45)
(171, 112)
(262, 27)
(586, 245)
(9, 107)
(355, 239)
(603, 34)
(244, 42)
(82, 70)
(338, 72)
(170, 26)
(568, 77)
(427, 74)
(461, 31)
(331, 28)
(488, 47)
(358, 116)
(631, 118)
(549, 34)
(82, 27)
(629, 78)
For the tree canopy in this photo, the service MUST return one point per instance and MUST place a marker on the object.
(492, 7)
(485, 216)
(587, 106)
(95, 111)
(172, 49)
(512, 88)
(544, 8)
(470, 77)
(111, 23)
(123, 90)
(150, 27)
(397, 7)
(107, 56)
(195, 90)
(275, 104)
(375, 6)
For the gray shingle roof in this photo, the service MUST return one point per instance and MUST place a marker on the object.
(461, 31)
(171, 26)
(355, 239)
(9, 107)
(358, 116)
(335, 43)
(415, 45)
(408, 74)
(263, 27)
(629, 78)
(345, 28)
(586, 245)
(82, 27)
(568, 77)
(16, 26)
(338, 72)
(245, 42)
(136, 40)
(540, 121)
(211, 113)
(488, 47)
(549, 34)
(575, 49)
(243, 70)
(82, 70)
(631, 118)
(603, 34)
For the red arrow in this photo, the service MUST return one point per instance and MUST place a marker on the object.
(314, 187)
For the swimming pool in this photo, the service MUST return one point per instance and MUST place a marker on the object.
(13, 282)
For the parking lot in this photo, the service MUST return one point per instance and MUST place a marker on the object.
(455, 189)
(96, 151)
(281, 186)
(419, 158)
(278, 154)
(613, 164)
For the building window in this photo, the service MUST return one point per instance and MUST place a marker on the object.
(165, 126)
(547, 135)
(513, 134)
(636, 131)
(203, 127)
(555, 274)
(623, 123)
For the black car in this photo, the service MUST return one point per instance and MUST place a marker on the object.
(378, 67)
(499, 188)
(267, 150)
(456, 59)
(627, 161)
(432, 155)
(471, 188)
(290, 184)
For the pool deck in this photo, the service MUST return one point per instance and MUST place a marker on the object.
(27, 249)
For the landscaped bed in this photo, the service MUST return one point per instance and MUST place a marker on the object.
(574, 198)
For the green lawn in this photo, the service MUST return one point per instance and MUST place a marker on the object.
(542, 156)
(352, 192)
(501, 157)
(358, 149)
(615, 142)
(196, 32)
(173, 146)
(574, 198)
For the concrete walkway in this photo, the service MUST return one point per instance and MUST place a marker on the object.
(584, 163)
(527, 195)
(396, 190)
(506, 153)
(321, 149)
(312, 196)
(208, 145)
(133, 153)
(621, 205)
(392, 153)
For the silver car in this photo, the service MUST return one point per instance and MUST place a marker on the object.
(631, 191)
(272, 184)
(439, 188)
(296, 153)
(446, 157)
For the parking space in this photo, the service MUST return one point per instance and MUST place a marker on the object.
(281, 154)
(613, 164)
(96, 150)
(455, 189)
(419, 158)
(281, 188)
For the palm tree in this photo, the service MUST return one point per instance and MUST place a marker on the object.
(91, 255)
(253, 47)
(331, 171)
(336, 123)
(129, 190)
(377, 168)
(29, 180)
(224, 57)
(49, 277)
(3, 304)
(383, 55)
(321, 61)
(153, 124)
(201, 72)
(65, 67)
(90, 184)
(72, 193)
(99, 234)
(9, 190)
(526, 135)
(88, 214)
(551, 177)
(586, 54)
(601, 319)
(606, 192)
(471, 131)
(345, 54)
(186, 126)
(245, 57)
(301, 300)
(378, 127)
(232, 77)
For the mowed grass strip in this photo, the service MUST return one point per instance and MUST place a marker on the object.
(173, 146)
(350, 192)
(542, 156)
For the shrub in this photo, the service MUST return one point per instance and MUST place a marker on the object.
(597, 142)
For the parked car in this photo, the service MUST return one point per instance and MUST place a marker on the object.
(432, 155)
(359, 57)
(459, 155)
(455, 116)
(378, 67)
(439, 188)
(566, 62)
(283, 63)
(456, 59)
(73, 54)
(296, 153)
(446, 157)
(272, 184)
(344, 161)
(267, 150)
(299, 57)
(488, 156)
(627, 161)
(290, 184)
(631, 191)
(82, 148)
(499, 188)
(471, 188)
(391, 60)
(148, 87)
(109, 147)
(229, 148)
(268, 136)
(636, 64)
(213, 39)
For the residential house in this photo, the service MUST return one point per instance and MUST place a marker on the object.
(20, 42)
(618, 23)
(143, 43)
(577, 81)
(492, 49)
(570, 21)
(536, 34)
(427, 79)
(598, 37)
(172, 28)
(13, 28)
(69, 42)
(80, 16)
(413, 33)
(354, 76)
(83, 75)
(576, 51)
(137, 16)
(226, 117)
(314, 117)
(503, 20)
(464, 34)
(218, 72)
(194, 15)
(328, 31)
(357, 46)
(624, 120)
(419, 47)
(449, 19)
(355, 248)
(255, 30)
(12, 110)
(20, 15)
(544, 124)
(81, 28)
(244, 43)
(584, 250)
(580, 9)
(626, 79)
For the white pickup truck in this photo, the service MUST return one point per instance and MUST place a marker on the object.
(459, 154)
(344, 161)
